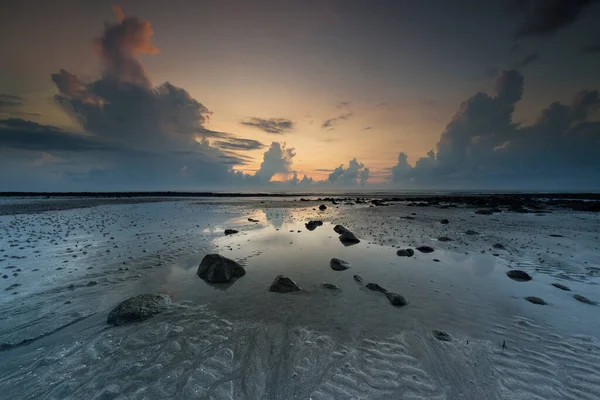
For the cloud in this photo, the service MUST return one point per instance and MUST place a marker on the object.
(270, 125)
(483, 146)
(367, 128)
(10, 101)
(356, 173)
(546, 17)
(330, 123)
(277, 159)
(239, 144)
(591, 49)
(533, 57)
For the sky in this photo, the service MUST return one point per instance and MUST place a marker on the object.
(299, 95)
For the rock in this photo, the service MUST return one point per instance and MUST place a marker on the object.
(444, 221)
(340, 229)
(441, 335)
(444, 239)
(138, 308)
(283, 284)
(405, 252)
(215, 268)
(312, 225)
(375, 287)
(584, 300)
(348, 238)
(13, 286)
(339, 265)
(471, 232)
(231, 231)
(499, 246)
(358, 278)
(91, 283)
(561, 286)
(535, 300)
(322, 207)
(518, 275)
(252, 220)
(484, 212)
(556, 235)
(330, 286)
(395, 299)
(425, 249)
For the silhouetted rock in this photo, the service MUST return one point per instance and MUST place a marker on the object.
(340, 229)
(584, 299)
(283, 284)
(312, 225)
(441, 335)
(405, 252)
(339, 265)
(230, 231)
(518, 275)
(252, 220)
(425, 249)
(349, 238)
(444, 221)
(561, 286)
(375, 287)
(535, 300)
(395, 299)
(138, 308)
(215, 268)
(444, 239)
(322, 207)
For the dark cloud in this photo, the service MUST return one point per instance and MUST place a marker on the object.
(10, 101)
(330, 123)
(278, 159)
(356, 173)
(533, 57)
(591, 49)
(367, 128)
(239, 144)
(483, 147)
(270, 125)
(546, 17)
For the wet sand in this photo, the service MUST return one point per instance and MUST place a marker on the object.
(242, 341)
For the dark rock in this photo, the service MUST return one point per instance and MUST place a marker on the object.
(584, 300)
(138, 308)
(535, 300)
(349, 238)
(375, 287)
(215, 268)
(340, 229)
(561, 286)
(330, 286)
(283, 284)
(444, 239)
(252, 220)
(395, 299)
(339, 265)
(92, 283)
(518, 275)
(312, 225)
(441, 335)
(405, 252)
(322, 207)
(444, 221)
(499, 246)
(358, 278)
(556, 235)
(471, 232)
(13, 286)
(484, 212)
(231, 231)
(425, 249)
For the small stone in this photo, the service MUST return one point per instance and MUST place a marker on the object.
(584, 300)
(405, 252)
(471, 232)
(561, 286)
(339, 265)
(444, 239)
(444, 221)
(283, 284)
(518, 275)
(375, 287)
(339, 229)
(441, 335)
(535, 300)
(425, 249)
(231, 231)
(312, 225)
(91, 283)
(330, 286)
(484, 212)
(499, 246)
(395, 299)
(322, 207)
(349, 238)
(138, 308)
(358, 278)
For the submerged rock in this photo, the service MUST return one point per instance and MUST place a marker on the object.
(425, 249)
(312, 225)
(499, 246)
(358, 278)
(375, 287)
(535, 300)
(138, 308)
(349, 238)
(330, 286)
(405, 252)
(231, 231)
(444, 221)
(471, 232)
(215, 268)
(283, 284)
(339, 265)
(518, 275)
(395, 299)
(441, 335)
(561, 286)
(322, 207)
(584, 299)
(339, 229)
(444, 239)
